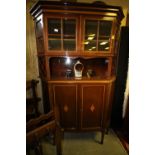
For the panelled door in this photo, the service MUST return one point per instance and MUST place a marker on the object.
(92, 106)
(65, 96)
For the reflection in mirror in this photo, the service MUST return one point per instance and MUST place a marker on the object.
(91, 46)
(63, 68)
(103, 45)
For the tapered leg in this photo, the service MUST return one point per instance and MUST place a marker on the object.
(58, 137)
(54, 138)
(38, 151)
(28, 152)
(102, 136)
(107, 131)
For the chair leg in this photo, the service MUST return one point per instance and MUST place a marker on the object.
(102, 136)
(58, 136)
(107, 131)
(38, 150)
(54, 138)
(38, 147)
(28, 152)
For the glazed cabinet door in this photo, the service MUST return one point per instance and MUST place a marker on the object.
(98, 34)
(61, 32)
(65, 97)
(92, 106)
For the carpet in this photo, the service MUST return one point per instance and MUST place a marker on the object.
(86, 144)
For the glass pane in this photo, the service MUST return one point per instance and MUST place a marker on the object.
(91, 28)
(69, 26)
(54, 44)
(105, 28)
(54, 31)
(90, 45)
(69, 45)
(103, 45)
(54, 26)
(69, 34)
(90, 35)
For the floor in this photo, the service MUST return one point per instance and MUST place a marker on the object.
(86, 144)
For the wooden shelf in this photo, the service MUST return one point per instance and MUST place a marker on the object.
(83, 80)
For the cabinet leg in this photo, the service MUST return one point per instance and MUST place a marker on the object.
(58, 139)
(102, 137)
(106, 131)
(28, 152)
(38, 150)
(54, 138)
(62, 134)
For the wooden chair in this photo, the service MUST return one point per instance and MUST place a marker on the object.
(32, 101)
(37, 128)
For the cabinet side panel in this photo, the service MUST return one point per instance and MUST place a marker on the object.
(46, 102)
(108, 105)
(42, 67)
(39, 34)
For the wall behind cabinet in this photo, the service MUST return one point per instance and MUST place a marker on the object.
(31, 51)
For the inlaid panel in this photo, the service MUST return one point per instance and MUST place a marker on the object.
(92, 106)
(65, 96)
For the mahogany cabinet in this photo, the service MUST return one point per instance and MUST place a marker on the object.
(77, 46)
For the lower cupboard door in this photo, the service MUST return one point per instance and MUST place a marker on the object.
(65, 96)
(92, 106)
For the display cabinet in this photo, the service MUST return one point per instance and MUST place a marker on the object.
(77, 46)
